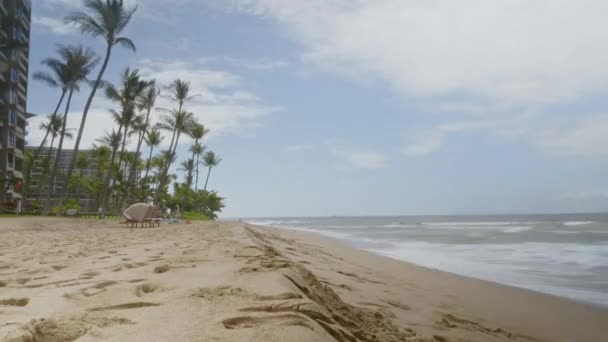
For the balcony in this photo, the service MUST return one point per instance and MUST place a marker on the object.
(27, 4)
(23, 65)
(24, 19)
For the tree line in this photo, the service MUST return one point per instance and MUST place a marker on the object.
(121, 176)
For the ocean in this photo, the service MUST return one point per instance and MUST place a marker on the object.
(564, 255)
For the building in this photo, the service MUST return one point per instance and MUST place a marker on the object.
(41, 168)
(14, 64)
(86, 168)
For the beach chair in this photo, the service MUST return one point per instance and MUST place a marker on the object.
(136, 214)
(152, 218)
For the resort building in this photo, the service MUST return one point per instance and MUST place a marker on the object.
(15, 18)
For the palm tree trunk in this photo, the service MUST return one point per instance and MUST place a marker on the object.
(197, 164)
(122, 149)
(141, 141)
(106, 185)
(47, 205)
(149, 161)
(87, 106)
(39, 149)
(165, 168)
(207, 181)
(43, 180)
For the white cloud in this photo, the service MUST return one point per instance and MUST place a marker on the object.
(588, 138)
(429, 141)
(507, 52)
(297, 148)
(357, 158)
(54, 25)
(266, 65)
(222, 103)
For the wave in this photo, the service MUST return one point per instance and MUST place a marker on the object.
(577, 223)
(516, 229)
(469, 224)
(275, 222)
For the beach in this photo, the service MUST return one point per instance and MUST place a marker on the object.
(88, 280)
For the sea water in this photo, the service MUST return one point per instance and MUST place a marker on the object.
(564, 255)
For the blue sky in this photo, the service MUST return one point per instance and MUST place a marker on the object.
(383, 107)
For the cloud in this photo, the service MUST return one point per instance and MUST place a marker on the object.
(507, 52)
(357, 158)
(54, 25)
(297, 148)
(429, 141)
(587, 139)
(262, 65)
(222, 103)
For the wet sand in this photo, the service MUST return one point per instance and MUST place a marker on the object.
(81, 280)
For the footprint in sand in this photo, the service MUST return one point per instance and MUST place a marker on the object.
(251, 322)
(144, 289)
(126, 306)
(59, 267)
(23, 281)
(161, 269)
(90, 274)
(3, 284)
(15, 302)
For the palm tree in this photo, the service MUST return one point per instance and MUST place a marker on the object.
(177, 122)
(146, 103)
(77, 63)
(197, 132)
(153, 139)
(132, 88)
(210, 160)
(112, 140)
(188, 167)
(54, 126)
(197, 150)
(107, 19)
(56, 78)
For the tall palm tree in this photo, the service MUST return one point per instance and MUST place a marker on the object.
(177, 122)
(146, 103)
(77, 63)
(153, 139)
(188, 167)
(132, 87)
(56, 78)
(112, 140)
(106, 19)
(210, 160)
(197, 132)
(197, 150)
(54, 126)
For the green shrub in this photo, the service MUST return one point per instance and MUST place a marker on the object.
(195, 216)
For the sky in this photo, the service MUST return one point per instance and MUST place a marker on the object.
(372, 107)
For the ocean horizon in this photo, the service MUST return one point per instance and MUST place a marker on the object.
(559, 254)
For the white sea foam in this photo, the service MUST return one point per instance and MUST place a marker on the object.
(466, 224)
(275, 222)
(576, 223)
(516, 229)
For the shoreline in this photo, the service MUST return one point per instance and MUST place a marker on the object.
(321, 235)
(89, 280)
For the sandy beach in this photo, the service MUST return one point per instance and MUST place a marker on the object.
(81, 280)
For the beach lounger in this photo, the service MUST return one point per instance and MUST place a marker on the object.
(136, 214)
(152, 218)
